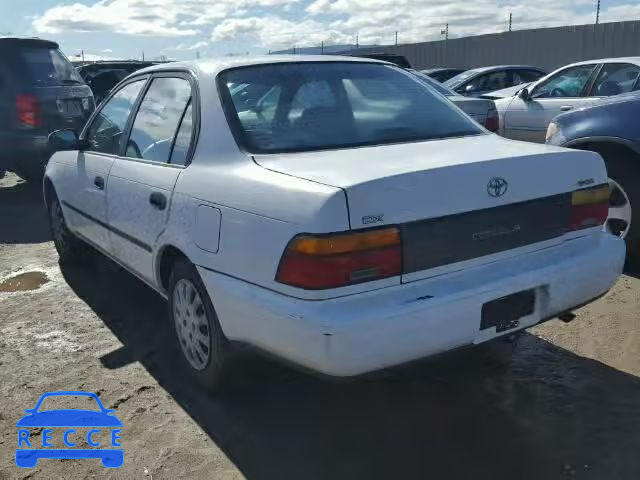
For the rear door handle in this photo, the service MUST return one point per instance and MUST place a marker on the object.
(99, 183)
(158, 200)
(566, 108)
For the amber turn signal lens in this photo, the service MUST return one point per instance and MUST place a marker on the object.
(346, 242)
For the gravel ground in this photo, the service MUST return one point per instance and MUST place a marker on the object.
(567, 408)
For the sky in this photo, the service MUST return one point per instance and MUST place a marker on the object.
(185, 29)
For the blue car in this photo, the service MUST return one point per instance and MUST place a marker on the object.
(110, 457)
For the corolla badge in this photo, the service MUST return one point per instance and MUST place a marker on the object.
(497, 187)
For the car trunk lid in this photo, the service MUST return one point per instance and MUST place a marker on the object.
(453, 199)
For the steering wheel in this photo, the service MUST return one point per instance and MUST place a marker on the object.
(558, 92)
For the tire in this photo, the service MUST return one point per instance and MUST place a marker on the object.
(71, 250)
(199, 337)
(627, 176)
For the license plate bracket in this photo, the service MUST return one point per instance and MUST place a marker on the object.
(505, 313)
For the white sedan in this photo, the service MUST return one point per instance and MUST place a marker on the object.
(332, 211)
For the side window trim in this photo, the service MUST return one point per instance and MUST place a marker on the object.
(588, 88)
(194, 99)
(178, 127)
(97, 111)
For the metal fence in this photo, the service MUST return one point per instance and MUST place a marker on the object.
(544, 47)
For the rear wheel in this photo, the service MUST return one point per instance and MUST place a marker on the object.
(200, 339)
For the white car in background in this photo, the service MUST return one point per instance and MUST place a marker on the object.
(344, 216)
(527, 114)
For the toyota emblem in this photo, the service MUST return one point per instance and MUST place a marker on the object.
(497, 187)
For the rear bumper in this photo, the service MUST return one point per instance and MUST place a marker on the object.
(373, 330)
(24, 152)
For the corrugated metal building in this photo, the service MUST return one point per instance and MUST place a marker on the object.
(548, 48)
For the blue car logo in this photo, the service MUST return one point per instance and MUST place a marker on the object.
(27, 457)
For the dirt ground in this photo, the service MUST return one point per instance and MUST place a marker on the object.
(569, 406)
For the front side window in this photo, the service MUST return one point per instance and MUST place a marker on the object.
(567, 83)
(328, 105)
(158, 118)
(105, 132)
(615, 78)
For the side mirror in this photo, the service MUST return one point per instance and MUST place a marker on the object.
(525, 95)
(470, 88)
(62, 140)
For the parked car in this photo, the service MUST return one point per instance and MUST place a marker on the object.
(399, 60)
(102, 76)
(611, 129)
(40, 92)
(481, 110)
(478, 81)
(349, 220)
(527, 115)
(442, 74)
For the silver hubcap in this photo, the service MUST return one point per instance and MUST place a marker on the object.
(192, 327)
(619, 217)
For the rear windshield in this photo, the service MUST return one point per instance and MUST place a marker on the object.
(291, 107)
(48, 66)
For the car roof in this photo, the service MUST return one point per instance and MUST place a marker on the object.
(27, 40)
(215, 66)
(634, 60)
(504, 67)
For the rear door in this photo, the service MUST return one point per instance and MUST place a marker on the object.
(64, 100)
(561, 92)
(614, 79)
(157, 148)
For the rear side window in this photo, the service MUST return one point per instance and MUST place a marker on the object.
(525, 76)
(329, 105)
(158, 119)
(48, 66)
(615, 78)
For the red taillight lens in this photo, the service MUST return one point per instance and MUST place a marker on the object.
(320, 262)
(492, 122)
(589, 207)
(27, 110)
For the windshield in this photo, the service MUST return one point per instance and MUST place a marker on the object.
(306, 106)
(49, 66)
(458, 79)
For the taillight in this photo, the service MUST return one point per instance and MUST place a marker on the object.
(492, 123)
(315, 262)
(589, 207)
(28, 110)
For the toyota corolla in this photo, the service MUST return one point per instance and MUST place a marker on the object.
(335, 212)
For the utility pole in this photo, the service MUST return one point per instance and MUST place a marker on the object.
(143, 55)
(322, 47)
(396, 38)
(357, 44)
(598, 12)
(294, 49)
(510, 19)
(445, 31)
(82, 52)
